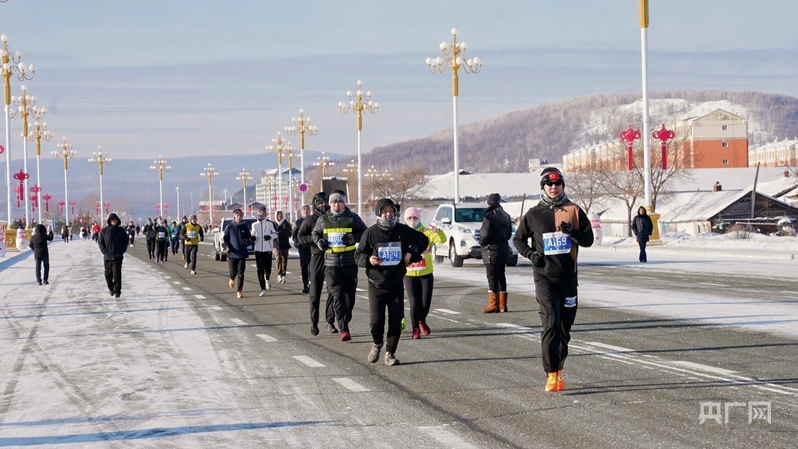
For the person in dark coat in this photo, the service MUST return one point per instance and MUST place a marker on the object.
(38, 243)
(235, 241)
(149, 235)
(642, 227)
(302, 248)
(385, 251)
(113, 242)
(316, 267)
(494, 237)
(282, 245)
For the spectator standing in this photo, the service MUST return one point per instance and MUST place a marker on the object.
(642, 227)
(494, 237)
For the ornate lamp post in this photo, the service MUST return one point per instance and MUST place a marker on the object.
(38, 133)
(629, 135)
(12, 64)
(301, 126)
(278, 146)
(100, 158)
(455, 62)
(27, 105)
(323, 161)
(357, 105)
(177, 189)
(372, 173)
(47, 197)
(65, 152)
(209, 172)
(243, 176)
(160, 166)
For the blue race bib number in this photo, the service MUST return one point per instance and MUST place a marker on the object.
(556, 243)
(334, 239)
(390, 253)
(191, 234)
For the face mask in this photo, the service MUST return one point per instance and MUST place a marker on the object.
(412, 222)
(386, 223)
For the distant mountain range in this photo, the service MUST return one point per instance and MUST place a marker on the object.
(504, 144)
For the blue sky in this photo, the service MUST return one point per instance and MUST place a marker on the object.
(200, 77)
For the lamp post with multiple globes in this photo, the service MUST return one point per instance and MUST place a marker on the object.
(12, 64)
(358, 104)
(301, 125)
(279, 145)
(243, 176)
(209, 172)
(38, 133)
(65, 152)
(100, 158)
(26, 105)
(455, 62)
(160, 167)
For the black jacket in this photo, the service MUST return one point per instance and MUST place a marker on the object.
(236, 240)
(389, 277)
(358, 227)
(494, 236)
(113, 240)
(38, 242)
(283, 235)
(642, 227)
(304, 234)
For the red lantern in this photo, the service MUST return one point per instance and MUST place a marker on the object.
(47, 197)
(629, 135)
(107, 207)
(72, 206)
(97, 208)
(61, 205)
(664, 135)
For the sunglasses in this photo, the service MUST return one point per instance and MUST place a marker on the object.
(555, 183)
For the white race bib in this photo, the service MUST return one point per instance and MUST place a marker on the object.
(334, 239)
(418, 266)
(390, 253)
(556, 243)
(191, 234)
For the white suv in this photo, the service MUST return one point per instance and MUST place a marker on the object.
(461, 224)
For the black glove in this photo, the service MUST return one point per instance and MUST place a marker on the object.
(538, 260)
(266, 238)
(348, 239)
(323, 245)
(568, 228)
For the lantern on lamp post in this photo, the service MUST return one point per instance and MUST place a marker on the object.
(629, 135)
(664, 135)
(47, 197)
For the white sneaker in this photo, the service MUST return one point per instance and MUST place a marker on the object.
(193, 272)
(268, 284)
(262, 293)
(186, 265)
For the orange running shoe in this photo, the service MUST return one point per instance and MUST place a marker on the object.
(560, 383)
(551, 383)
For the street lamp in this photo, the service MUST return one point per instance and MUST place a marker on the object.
(65, 152)
(358, 106)
(244, 177)
(27, 105)
(100, 158)
(177, 189)
(210, 172)
(11, 64)
(278, 146)
(455, 62)
(38, 133)
(160, 166)
(372, 173)
(301, 126)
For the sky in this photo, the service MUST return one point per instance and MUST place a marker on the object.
(198, 77)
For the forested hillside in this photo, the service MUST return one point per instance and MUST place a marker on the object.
(547, 132)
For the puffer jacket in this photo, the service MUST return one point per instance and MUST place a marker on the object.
(38, 243)
(494, 236)
(113, 240)
(330, 229)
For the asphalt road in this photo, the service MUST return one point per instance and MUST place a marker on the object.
(632, 380)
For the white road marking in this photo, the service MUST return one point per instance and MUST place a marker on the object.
(187, 288)
(266, 338)
(309, 361)
(445, 437)
(199, 296)
(350, 384)
(707, 368)
(216, 308)
(239, 322)
(176, 282)
(610, 347)
(447, 311)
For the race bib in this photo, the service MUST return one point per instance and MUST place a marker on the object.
(161, 235)
(334, 239)
(191, 234)
(418, 266)
(570, 302)
(390, 253)
(556, 243)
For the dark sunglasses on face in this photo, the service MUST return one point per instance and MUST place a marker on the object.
(555, 183)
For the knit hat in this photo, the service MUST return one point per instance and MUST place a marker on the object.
(338, 195)
(412, 212)
(493, 200)
(382, 203)
(551, 174)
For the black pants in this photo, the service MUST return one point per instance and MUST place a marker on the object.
(191, 256)
(379, 301)
(263, 259)
(557, 316)
(497, 282)
(304, 262)
(419, 294)
(131, 238)
(175, 245)
(237, 267)
(342, 284)
(151, 248)
(643, 256)
(316, 282)
(39, 262)
(160, 250)
(113, 275)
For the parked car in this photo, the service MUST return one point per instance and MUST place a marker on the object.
(218, 234)
(461, 224)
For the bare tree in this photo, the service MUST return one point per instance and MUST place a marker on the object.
(586, 186)
(404, 185)
(675, 167)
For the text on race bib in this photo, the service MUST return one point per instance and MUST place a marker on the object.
(334, 239)
(556, 243)
(191, 234)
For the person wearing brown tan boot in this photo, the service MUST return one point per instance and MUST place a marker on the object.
(494, 236)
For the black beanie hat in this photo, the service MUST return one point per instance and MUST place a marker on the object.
(551, 174)
(385, 202)
(493, 199)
